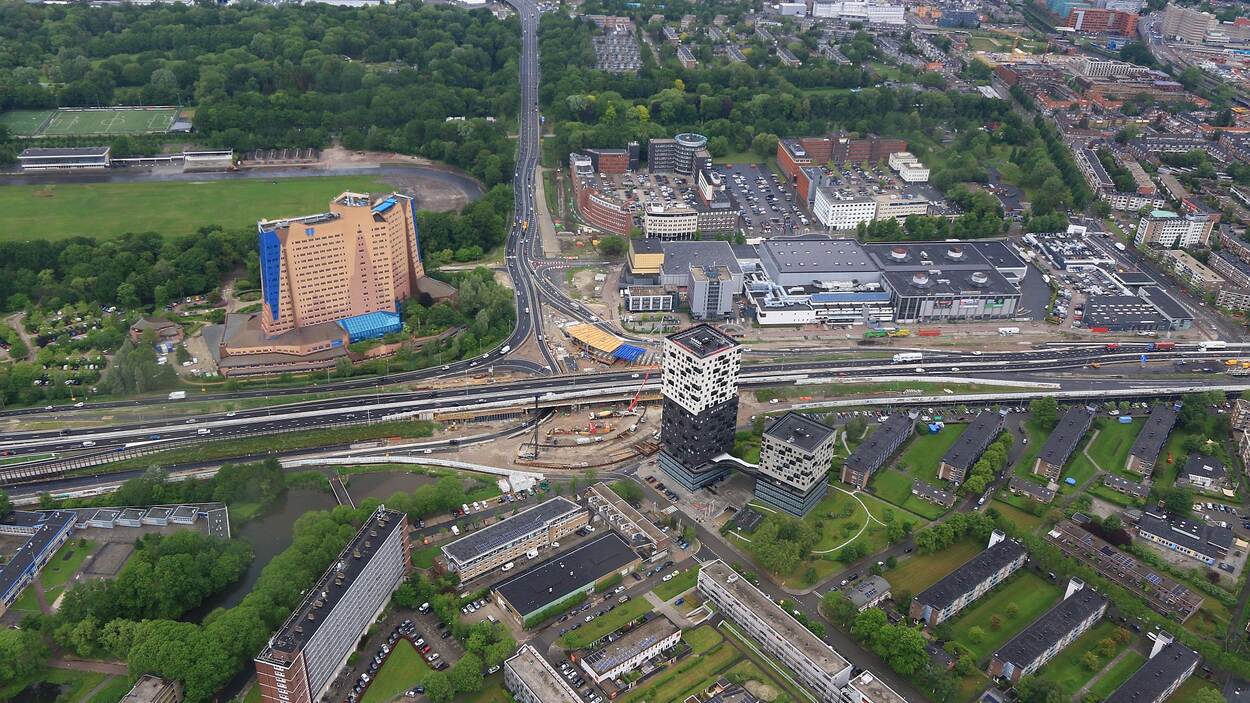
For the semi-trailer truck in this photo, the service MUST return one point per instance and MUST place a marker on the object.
(907, 356)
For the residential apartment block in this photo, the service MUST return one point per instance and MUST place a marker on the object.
(1062, 442)
(314, 643)
(876, 450)
(1234, 269)
(45, 531)
(867, 688)
(1165, 596)
(796, 453)
(958, 589)
(532, 680)
(1198, 275)
(630, 651)
(700, 404)
(970, 445)
(495, 545)
(1149, 443)
(1169, 665)
(1167, 229)
(820, 670)
(1080, 609)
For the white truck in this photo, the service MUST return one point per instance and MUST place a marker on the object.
(907, 356)
(1008, 331)
(1120, 246)
(178, 395)
(506, 348)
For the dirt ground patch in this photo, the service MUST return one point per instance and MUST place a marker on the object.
(109, 560)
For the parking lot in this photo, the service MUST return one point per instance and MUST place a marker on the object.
(767, 205)
(432, 640)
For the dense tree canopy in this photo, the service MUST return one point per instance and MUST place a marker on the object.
(385, 77)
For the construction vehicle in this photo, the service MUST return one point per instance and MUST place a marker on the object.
(1231, 362)
(875, 334)
(901, 332)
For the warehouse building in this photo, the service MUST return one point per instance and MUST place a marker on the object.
(1205, 543)
(302, 658)
(495, 545)
(1035, 645)
(1062, 442)
(532, 680)
(976, 438)
(1149, 443)
(819, 669)
(973, 579)
(563, 576)
(876, 450)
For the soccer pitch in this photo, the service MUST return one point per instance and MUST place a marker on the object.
(25, 123)
(120, 120)
(67, 122)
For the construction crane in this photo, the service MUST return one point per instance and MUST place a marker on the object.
(634, 403)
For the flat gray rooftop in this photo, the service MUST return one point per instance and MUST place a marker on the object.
(475, 544)
(799, 430)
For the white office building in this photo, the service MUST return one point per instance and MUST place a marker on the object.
(670, 222)
(838, 212)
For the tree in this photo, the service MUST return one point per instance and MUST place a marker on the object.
(21, 653)
(1035, 690)
(1091, 661)
(839, 608)
(1206, 695)
(6, 505)
(612, 247)
(629, 491)
(466, 675)
(1045, 412)
(764, 145)
(1012, 610)
(996, 622)
(438, 687)
(976, 635)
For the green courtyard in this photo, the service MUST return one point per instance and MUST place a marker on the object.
(1067, 669)
(988, 623)
(919, 461)
(918, 572)
(402, 670)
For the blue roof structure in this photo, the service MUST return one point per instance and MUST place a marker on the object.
(628, 353)
(384, 205)
(851, 297)
(371, 325)
(270, 268)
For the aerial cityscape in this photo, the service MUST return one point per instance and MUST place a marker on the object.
(642, 351)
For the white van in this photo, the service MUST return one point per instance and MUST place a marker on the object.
(203, 430)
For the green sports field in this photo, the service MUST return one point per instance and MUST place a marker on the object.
(86, 122)
(103, 210)
(25, 123)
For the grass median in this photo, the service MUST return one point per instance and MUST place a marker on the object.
(678, 585)
(603, 624)
(280, 442)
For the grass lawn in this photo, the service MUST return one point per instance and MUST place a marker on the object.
(739, 157)
(919, 461)
(119, 686)
(24, 123)
(918, 572)
(1031, 593)
(1066, 670)
(1019, 517)
(924, 452)
(1118, 674)
(169, 207)
(493, 691)
(424, 558)
(780, 673)
(602, 625)
(1110, 449)
(1211, 620)
(683, 676)
(65, 563)
(77, 683)
(1190, 688)
(678, 585)
(1037, 437)
(702, 638)
(402, 670)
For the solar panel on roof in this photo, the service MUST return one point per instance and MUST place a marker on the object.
(1154, 579)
